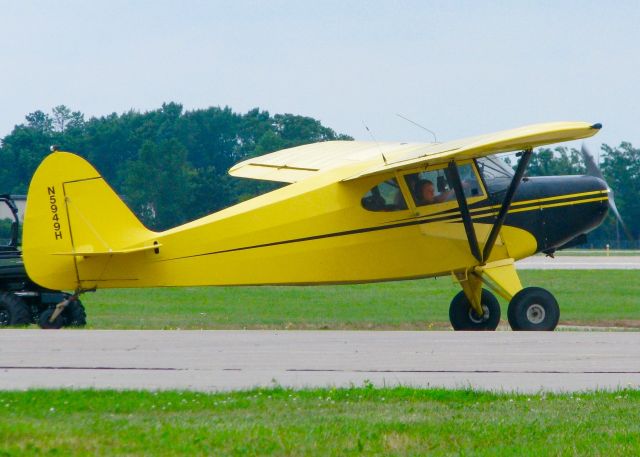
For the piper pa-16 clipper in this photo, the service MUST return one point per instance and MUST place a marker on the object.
(354, 212)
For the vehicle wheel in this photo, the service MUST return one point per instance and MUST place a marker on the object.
(464, 317)
(13, 310)
(74, 314)
(533, 308)
(43, 321)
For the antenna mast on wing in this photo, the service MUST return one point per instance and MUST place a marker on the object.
(375, 141)
(435, 138)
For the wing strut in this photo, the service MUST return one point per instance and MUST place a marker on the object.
(454, 176)
(506, 203)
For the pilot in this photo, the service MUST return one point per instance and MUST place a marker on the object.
(426, 194)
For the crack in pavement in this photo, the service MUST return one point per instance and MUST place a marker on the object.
(321, 370)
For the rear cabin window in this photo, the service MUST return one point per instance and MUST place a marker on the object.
(386, 196)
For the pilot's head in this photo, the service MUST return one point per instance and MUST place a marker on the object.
(426, 191)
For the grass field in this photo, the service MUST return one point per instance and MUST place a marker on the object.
(597, 253)
(586, 297)
(356, 421)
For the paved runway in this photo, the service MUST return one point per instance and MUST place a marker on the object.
(224, 360)
(580, 263)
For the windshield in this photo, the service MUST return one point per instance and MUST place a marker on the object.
(496, 173)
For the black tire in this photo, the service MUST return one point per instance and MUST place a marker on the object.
(464, 317)
(43, 320)
(74, 314)
(533, 309)
(13, 310)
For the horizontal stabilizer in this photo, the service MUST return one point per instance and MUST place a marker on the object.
(90, 253)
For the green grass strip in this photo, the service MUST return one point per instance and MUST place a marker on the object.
(318, 422)
(586, 297)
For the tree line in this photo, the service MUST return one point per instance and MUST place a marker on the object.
(170, 165)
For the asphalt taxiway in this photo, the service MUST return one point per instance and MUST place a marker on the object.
(225, 360)
(540, 262)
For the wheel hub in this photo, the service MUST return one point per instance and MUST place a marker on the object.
(536, 313)
(473, 316)
(4, 318)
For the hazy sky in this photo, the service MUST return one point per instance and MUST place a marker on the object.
(459, 68)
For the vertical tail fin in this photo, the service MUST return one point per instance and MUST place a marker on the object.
(74, 224)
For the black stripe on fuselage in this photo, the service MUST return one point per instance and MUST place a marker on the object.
(480, 213)
(482, 209)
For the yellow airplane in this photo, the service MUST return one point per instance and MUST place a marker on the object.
(354, 212)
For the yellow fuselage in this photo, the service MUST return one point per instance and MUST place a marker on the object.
(314, 231)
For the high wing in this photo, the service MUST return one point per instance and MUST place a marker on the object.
(527, 137)
(295, 164)
(302, 162)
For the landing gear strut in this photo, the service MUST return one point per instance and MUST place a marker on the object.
(69, 312)
(73, 315)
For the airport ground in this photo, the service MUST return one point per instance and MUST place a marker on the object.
(361, 419)
(598, 298)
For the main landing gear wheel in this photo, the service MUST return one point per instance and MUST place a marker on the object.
(464, 317)
(533, 308)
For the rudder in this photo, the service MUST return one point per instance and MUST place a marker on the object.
(74, 222)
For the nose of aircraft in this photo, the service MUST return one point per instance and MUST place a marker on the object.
(566, 207)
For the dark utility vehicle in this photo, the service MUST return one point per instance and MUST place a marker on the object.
(23, 302)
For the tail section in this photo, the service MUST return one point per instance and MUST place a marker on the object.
(75, 225)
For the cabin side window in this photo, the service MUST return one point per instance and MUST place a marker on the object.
(496, 173)
(386, 196)
(434, 186)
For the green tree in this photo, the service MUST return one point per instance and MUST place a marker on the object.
(158, 184)
(61, 115)
(23, 150)
(554, 162)
(39, 122)
(621, 168)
